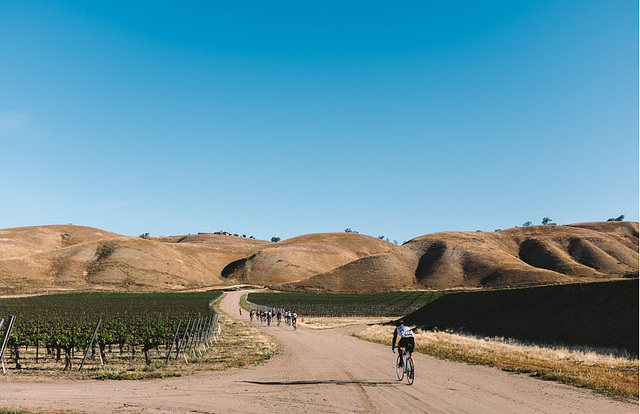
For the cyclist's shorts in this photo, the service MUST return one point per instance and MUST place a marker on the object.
(407, 343)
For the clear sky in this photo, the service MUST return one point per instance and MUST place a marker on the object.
(273, 118)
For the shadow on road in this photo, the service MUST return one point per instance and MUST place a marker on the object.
(329, 382)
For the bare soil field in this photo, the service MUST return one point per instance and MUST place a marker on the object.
(320, 371)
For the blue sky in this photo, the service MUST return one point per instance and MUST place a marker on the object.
(288, 118)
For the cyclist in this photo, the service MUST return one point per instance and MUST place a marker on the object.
(406, 341)
(294, 320)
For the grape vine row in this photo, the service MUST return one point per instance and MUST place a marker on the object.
(57, 327)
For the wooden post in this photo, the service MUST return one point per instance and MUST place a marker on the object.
(175, 337)
(95, 332)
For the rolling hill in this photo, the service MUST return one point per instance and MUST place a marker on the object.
(525, 256)
(76, 258)
(302, 257)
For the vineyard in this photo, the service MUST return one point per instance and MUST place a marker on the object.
(69, 330)
(377, 304)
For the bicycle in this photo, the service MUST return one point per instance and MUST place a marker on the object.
(404, 365)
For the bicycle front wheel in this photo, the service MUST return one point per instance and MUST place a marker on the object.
(410, 371)
(399, 367)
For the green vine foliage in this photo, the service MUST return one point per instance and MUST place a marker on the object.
(65, 322)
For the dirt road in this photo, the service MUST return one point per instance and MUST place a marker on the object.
(326, 371)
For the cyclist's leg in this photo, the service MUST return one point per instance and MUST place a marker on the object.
(402, 346)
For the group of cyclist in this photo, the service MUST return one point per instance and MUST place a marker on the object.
(405, 344)
(274, 315)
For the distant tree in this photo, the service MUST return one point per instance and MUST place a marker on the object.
(381, 237)
(395, 242)
(275, 239)
(527, 224)
(498, 230)
(547, 222)
(350, 231)
(620, 218)
(144, 236)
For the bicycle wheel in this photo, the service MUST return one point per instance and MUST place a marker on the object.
(399, 368)
(410, 371)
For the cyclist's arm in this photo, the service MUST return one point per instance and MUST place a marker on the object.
(395, 336)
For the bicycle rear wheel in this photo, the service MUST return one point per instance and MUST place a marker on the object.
(410, 371)
(399, 367)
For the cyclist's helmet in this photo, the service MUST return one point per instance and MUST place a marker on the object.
(399, 322)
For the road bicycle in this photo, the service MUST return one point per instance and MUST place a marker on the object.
(404, 366)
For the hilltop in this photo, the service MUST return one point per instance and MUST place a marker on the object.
(76, 258)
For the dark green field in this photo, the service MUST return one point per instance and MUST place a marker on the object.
(603, 314)
(378, 304)
(107, 303)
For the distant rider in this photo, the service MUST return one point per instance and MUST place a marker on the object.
(407, 340)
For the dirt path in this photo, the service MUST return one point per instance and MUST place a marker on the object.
(326, 371)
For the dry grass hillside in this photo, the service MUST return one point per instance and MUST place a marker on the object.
(25, 241)
(526, 256)
(64, 258)
(75, 258)
(302, 257)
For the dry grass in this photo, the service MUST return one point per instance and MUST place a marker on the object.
(331, 323)
(615, 375)
(240, 344)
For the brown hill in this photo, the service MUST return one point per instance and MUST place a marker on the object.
(52, 258)
(302, 257)
(526, 256)
(22, 241)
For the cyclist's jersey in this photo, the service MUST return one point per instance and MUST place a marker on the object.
(404, 332)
